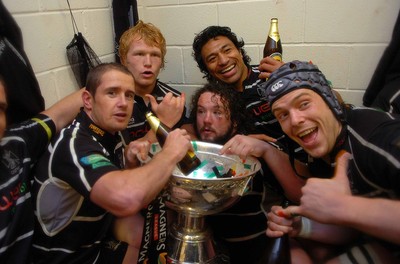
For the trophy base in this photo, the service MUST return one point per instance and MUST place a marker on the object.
(190, 242)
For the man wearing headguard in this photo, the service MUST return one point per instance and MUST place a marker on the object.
(351, 194)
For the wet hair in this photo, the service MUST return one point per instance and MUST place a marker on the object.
(212, 32)
(301, 75)
(231, 101)
(149, 33)
(94, 76)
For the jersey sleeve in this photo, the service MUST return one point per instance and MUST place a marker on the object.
(81, 161)
(37, 132)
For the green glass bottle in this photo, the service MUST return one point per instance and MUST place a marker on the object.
(190, 162)
(273, 45)
(277, 250)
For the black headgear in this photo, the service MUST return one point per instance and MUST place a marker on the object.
(297, 75)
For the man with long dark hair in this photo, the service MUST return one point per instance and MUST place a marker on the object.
(217, 115)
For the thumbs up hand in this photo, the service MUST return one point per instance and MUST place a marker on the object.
(170, 109)
(323, 199)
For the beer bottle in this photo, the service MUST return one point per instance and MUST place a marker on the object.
(190, 162)
(273, 45)
(277, 251)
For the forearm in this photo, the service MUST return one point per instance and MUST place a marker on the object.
(150, 136)
(126, 192)
(158, 170)
(374, 216)
(330, 234)
(64, 111)
(278, 162)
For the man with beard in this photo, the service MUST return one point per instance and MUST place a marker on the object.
(221, 57)
(217, 115)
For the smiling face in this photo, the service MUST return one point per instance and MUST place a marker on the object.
(111, 107)
(213, 121)
(306, 118)
(224, 61)
(144, 61)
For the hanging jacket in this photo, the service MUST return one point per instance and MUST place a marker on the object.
(125, 15)
(383, 89)
(22, 88)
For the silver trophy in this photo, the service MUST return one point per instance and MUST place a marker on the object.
(214, 186)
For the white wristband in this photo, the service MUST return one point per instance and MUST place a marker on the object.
(305, 230)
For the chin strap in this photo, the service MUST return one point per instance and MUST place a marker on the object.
(291, 154)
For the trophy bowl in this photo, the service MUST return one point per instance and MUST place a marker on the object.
(215, 185)
(202, 192)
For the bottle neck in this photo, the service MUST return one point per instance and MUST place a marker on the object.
(273, 31)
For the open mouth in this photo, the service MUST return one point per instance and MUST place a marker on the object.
(228, 69)
(308, 135)
(207, 131)
(147, 73)
(121, 115)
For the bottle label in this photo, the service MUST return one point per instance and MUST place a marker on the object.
(191, 154)
(275, 36)
(276, 56)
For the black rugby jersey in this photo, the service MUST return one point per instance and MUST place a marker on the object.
(259, 110)
(20, 148)
(138, 126)
(69, 226)
(246, 219)
(373, 137)
(242, 227)
(233, 224)
(257, 107)
(375, 144)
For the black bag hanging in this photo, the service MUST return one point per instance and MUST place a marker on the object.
(80, 55)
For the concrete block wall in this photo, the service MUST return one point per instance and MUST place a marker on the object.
(344, 38)
(47, 29)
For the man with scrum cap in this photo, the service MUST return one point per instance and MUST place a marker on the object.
(355, 152)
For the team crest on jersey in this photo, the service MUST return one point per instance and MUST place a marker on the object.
(11, 161)
(262, 92)
(96, 161)
(131, 122)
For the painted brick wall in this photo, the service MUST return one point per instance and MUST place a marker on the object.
(344, 38)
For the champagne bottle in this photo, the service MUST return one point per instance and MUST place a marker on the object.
(277, 250)
(273, 45)
(190, 162)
